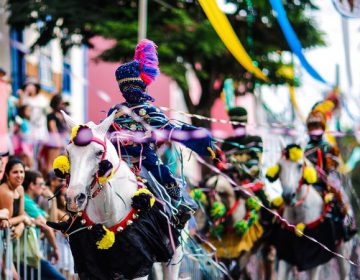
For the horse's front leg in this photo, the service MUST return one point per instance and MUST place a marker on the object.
(315, 272)
(171, 270)
(344, 249)
(284, 270)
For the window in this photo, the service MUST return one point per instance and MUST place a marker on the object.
(17, 59)
(45, 71)
(66, 83)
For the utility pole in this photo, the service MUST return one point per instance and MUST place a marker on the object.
(142, 28)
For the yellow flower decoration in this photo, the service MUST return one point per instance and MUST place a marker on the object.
(329, 197)
(104, 179)
(326, 106)
(273, 172)
(107, 241)
(299, 231)
(146, 191)
(74, 132)
(295, 154)
(62, 164)
(310, 175)
(277, 201)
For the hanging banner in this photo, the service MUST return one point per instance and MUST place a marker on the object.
(293, 40)
(227, 34)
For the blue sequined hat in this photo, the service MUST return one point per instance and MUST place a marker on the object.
(133, 77)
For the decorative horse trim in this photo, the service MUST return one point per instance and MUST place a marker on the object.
(119, 227)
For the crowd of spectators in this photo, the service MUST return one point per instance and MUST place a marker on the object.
(36, 136)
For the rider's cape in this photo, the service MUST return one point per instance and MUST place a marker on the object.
(302, 252)
(135, 250)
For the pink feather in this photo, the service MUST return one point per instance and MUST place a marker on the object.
(146, 54)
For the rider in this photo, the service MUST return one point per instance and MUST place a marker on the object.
(325, 158)
(133, 78)
(243, 152)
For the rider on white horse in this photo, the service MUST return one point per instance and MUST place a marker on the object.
(325, 158)
(133, 78)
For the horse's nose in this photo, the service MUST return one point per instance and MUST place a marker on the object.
(288, 197)
(80, 199)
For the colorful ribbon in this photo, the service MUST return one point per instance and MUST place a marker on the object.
(293, 40)
(227, 34)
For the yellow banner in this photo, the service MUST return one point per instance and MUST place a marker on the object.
(227, 34)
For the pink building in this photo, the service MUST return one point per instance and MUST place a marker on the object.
(103, 92)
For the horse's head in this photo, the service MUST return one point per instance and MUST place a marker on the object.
(289, 170)
(293, 170)
(87, 151)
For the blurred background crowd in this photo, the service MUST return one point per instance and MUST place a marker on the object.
(37, 134)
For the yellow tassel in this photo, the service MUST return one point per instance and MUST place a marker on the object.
(329, 197)
(299, 230)
(273, 171)
(277, 201)
(143, 190)
(107, 241)
(212, 153)
(310, 175)
(62, 163)
(295, 154)
(74, 132)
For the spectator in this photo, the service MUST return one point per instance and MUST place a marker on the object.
(22, 143)
(54, 185)
(12, 196)
(2, 155)
(57, 128)
(12, 199)
(30, 95)
(34, 187)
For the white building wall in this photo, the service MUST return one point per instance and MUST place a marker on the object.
(78, 84)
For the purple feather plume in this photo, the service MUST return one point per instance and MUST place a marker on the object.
(146, 54)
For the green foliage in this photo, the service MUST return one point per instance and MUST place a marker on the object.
(184, 35)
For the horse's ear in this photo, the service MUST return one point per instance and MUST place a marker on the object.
(103, 127)
(69, 121)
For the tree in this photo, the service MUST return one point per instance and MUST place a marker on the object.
(184, 36)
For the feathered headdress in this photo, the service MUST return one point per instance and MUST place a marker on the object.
(146, 54)
(133, 77)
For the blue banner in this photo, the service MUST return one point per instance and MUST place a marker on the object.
(293, 40)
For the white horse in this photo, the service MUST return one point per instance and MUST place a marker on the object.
(233, 248)
(304, 205)
(112, 202)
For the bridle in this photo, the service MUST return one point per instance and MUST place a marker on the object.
(96, 182)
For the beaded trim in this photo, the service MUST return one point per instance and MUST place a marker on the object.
(129, 80)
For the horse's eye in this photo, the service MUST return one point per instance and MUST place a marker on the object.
(299, 166)
(99, 153)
